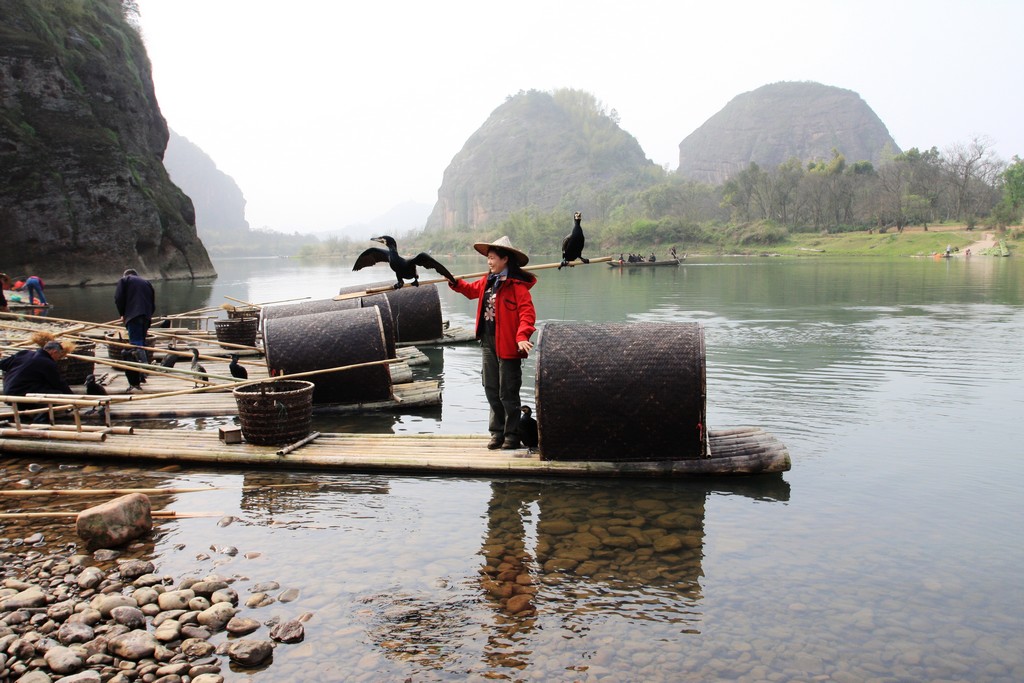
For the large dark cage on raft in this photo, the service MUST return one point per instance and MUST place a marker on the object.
(416, 311)
(329, 305)
(318, 341)
(237, 330)
(276, 412)
(621, 391)
(75, 370)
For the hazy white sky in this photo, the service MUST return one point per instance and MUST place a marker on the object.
(329, 113)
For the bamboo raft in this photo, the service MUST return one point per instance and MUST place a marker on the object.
(736, 451)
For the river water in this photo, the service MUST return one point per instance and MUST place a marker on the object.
(892, 551)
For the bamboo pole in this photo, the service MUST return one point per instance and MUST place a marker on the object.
(29, 433)
(155, 514)
(152, 331)
(236, 385)
(380, 290)
(124, 431)
(27, 493)
(299, 444)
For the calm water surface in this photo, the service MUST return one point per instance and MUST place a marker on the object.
(891, 551)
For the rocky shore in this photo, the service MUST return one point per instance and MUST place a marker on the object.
(73, 618)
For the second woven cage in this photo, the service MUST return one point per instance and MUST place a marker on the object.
(327, 340)
(621, 391)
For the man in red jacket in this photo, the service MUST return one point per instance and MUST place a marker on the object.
(505, 320)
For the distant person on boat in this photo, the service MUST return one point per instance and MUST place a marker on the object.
(505, 319)
(33, 287)
(949, 250)
(620, 257)
(136, 303)
(652, 258)
(35, 372)
(672, 253)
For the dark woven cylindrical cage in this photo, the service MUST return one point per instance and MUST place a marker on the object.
(332, 339)
(621, 391)
(415, 310)
(114, 351)
(74, 370)
(237, 330)
(276, 412)
(328, 305)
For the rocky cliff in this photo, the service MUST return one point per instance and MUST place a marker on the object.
(83, 190)
(776, 122)
(543, 151)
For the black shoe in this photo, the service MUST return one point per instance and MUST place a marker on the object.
(510, 444)
(495, 443)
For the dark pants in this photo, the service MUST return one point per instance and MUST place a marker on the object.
(502, 380)
(138, 327)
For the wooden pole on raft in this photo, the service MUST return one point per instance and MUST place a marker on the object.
(152, 331)
(155, 514)
(29, 433)
(236, 385)
(27, 493)
(175, 352)
(380, 290)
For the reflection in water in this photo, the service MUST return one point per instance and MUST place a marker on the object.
(563, 558)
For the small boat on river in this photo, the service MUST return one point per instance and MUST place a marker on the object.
(645, 264)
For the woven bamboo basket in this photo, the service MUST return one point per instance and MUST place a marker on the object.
(621, 391)
(416, 311)
(237, 330)
(327, 340)
(275, 412)
(74, 370)
(114, 352)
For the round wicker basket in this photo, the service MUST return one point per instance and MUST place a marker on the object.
(74, 370)
(237, 330)
(621, 391)
(114, 351)
(274, 413)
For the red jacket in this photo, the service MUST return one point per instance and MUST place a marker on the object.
(514, 315)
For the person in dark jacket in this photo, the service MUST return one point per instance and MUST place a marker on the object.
(35, 372)
(505, 319)
(136, 303)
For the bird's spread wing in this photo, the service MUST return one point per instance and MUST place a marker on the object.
(370, 257)
(427, 261)
(565, 243)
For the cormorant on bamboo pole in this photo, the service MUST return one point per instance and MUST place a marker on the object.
(134, 377)
(197, 367)
(404, 268)
(572, 245)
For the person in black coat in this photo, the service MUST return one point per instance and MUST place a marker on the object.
(35, 372)
(136, 303)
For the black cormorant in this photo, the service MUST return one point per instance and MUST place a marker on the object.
(404, 269)
(196, 367)
(237, 371)
(572, 245)
(528, 429)
(170, 358)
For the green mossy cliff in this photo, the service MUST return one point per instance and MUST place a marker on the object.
(83, 190)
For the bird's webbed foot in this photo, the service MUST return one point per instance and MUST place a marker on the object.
(416, 282)
(585, 260)
(399, 285)
(563, 263)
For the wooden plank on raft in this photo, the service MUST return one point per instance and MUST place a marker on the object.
(435, 454)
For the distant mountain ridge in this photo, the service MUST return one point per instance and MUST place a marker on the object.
(540, 150)
(779, 121)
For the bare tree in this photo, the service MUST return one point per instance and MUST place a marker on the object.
(972, 170)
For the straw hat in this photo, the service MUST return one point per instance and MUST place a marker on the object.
(505, 243)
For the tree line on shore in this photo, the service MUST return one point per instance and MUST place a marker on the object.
(967, 183)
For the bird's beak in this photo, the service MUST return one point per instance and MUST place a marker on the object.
(377, 239)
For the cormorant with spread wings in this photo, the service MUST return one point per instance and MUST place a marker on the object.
(404, 268)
